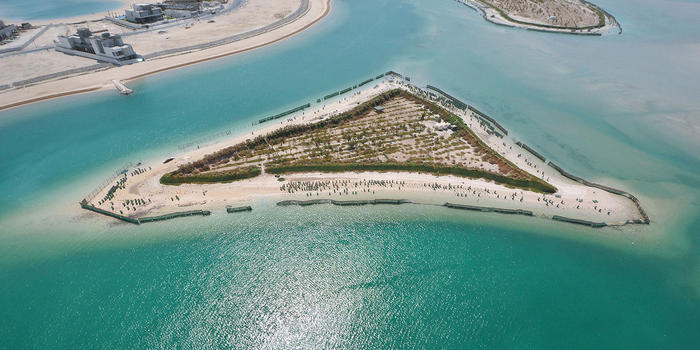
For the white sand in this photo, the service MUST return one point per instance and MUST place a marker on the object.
(419, 188)
(244, 19)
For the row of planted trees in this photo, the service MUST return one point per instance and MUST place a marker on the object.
(199, 171)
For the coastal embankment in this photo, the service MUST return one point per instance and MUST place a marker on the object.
(145, 219)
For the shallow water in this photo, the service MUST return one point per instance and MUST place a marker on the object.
(50, 9)
(618, 109)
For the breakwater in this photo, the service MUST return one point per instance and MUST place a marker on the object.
(642, 213)
(456, 102)
(350, 88)
(483, 115)
(391, 72)
(532, 151)
(366, 82)
(343, 203)
(138, 221)
(488, 209)
(285, 113)
(340, 92)
(230, 209)
(174, 215)
(579, 222)
(477, 208)
(84, 204)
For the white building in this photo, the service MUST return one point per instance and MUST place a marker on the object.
(144, 13)
(7, 31)
(105, 47)
(181, 8)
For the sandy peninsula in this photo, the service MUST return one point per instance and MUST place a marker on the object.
(558, 16)
(39, 73)
(140, 192)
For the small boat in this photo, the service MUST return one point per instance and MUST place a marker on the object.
(168, 160)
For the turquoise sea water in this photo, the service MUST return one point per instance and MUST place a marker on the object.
(618, 109)
(50, 9)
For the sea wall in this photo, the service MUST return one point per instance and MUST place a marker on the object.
(285, 113)
(579, 222)
(230, 209)
(456, 102)
(174, 215)
(85, 205)
(491, 120)
(532, 151)
(366, 82)
(343, 203)
(489, 209)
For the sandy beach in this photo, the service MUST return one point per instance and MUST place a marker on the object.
(572, 199)
(102, 79)
(539, 20)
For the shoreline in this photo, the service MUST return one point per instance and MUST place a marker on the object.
(499, 17)
(388, 197)
(172, 62)
(154, 198)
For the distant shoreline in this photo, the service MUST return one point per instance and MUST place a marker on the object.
(500, 17)
(77, 84)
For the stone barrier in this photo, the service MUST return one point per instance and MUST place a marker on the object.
(230, 209)
(285, 113)
(343, 203)
(579, 222)
(489, 209)
(85, 205)
(484, 116)
(532, 151)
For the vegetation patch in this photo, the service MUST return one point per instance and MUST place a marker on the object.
(408, 134)
(177, 177)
